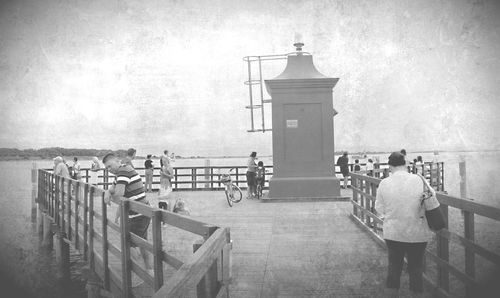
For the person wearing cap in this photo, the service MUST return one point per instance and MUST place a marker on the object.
(405, 228)
(60, 167)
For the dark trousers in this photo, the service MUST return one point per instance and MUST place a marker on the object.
(415, 256)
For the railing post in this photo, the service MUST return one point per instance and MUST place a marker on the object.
(227, 263)
(463, 178)
(34, 191)
(362, 199)
(85, 221)
(355, 197)
(48, 241)
(193, 178)
(68, 208)
(207, 173)
(208, 285)
(368, 190)
(60, 209)
(438, 176)
(470, 267)
(432, 174)
(62, 257)
(211, 178)
(237, 173)
(77, 213)
(125, 244)
(444, 254)
(470, 262)
(442, 176)
(372, 205)
(42, 204)
(91, 230)
(105, 179)
(93, 282)
(176, 178)
(105, 243)
(157, 250)
(55, 210)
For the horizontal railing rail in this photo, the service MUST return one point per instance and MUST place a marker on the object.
(363, 202)
(78, 210)
(208, 177)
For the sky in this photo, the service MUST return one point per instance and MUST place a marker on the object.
(154, 75)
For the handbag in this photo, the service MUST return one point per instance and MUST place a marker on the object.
(434, 216)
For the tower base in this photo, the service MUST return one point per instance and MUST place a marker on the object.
(304, 188)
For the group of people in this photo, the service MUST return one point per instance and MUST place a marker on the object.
(166, 175)
(417, 166)
(256, 175)
(398, 202)
(128, 185)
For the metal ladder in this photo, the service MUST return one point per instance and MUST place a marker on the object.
(258, 102)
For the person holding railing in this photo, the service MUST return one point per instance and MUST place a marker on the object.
(148, 173)
(369, 167)
(405, 228)
(128, 186)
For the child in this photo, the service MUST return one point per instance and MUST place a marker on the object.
(357, 167)
(369, 167)
(261, 174)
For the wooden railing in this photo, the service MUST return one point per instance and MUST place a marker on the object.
(208, 177)
(363, 201)
(77, 213)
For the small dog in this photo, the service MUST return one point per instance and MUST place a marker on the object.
(180, 207)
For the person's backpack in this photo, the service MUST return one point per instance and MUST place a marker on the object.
(260, 173)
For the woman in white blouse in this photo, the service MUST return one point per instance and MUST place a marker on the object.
(405, 228)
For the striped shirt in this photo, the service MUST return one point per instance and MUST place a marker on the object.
(134, 188)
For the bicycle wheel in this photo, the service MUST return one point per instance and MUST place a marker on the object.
(259, 191)
(229, 197)
(237, 195)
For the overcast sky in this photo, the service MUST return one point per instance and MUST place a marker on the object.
(421, 75)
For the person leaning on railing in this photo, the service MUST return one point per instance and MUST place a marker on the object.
(405, 228)
(148, 173)
(128, 185)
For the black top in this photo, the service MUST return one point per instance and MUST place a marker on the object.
(148, 164)
(343, 162)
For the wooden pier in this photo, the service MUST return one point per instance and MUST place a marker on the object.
(300, 249)
(76, 214)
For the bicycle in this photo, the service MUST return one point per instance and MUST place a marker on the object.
(233, 192)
